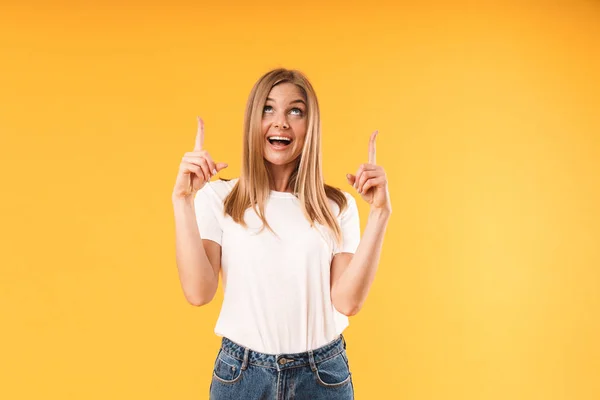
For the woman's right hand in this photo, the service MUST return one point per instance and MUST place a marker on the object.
(196, 168)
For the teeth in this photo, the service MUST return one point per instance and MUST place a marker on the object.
(280, 138)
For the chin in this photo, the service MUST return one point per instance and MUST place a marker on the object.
(280, 160)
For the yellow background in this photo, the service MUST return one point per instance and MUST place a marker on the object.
(488, 112)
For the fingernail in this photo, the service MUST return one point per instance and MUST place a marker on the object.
(214, 171)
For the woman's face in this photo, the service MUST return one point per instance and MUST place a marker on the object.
(284, 116)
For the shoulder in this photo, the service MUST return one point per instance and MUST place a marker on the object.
(220, 188)
(350, 203)
(349, 197)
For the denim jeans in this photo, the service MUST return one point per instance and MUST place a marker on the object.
(241, 373)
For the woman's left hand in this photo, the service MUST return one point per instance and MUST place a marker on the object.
(371, 181)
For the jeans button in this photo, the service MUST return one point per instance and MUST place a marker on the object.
(282, 361)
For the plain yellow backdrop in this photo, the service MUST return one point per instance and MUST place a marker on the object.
(489, 120)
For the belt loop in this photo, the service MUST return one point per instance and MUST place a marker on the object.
(344, 340)
(245, 362)
(311, 360)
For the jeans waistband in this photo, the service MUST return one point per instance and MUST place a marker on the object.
(283, 361)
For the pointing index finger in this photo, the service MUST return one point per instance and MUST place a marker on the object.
(199, 135)
(372, 147)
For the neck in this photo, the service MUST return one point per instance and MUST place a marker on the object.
(280, 176)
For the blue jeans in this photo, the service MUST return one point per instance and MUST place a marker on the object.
(241, 373)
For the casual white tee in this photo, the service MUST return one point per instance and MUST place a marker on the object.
(276, 289)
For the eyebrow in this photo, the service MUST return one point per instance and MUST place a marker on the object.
(291, 102)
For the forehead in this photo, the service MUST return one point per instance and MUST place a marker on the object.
(286, 91)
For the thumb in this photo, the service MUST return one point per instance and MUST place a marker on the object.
(350, 178)
(221, 166)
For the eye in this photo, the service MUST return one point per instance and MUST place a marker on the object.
(298, 110)
(267, 109)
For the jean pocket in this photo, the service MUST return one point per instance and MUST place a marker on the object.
(334, 371)
(227, 369)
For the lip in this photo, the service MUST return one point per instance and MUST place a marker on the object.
(279, 148)
(281, 135)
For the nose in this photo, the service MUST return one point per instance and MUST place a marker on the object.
(281, 123)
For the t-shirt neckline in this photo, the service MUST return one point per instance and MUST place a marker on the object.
(275, 193)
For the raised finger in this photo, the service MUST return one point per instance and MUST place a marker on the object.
(372, 147)
(199, 135)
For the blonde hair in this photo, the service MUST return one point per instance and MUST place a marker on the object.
(252, 188)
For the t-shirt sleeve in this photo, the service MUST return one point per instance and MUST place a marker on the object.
(350, 225)
(206, 204)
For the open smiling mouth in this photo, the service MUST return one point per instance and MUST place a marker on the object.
(279, 143)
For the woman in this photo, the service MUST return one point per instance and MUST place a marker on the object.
(288, 248)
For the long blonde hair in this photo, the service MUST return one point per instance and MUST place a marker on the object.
(252, 188)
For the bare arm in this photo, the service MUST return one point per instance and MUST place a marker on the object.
(353, 275)
(198, 260)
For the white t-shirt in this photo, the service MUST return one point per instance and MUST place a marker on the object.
(276, 289)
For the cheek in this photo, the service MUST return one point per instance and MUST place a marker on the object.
(300, 139)
(265, 128)
(299, 128)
